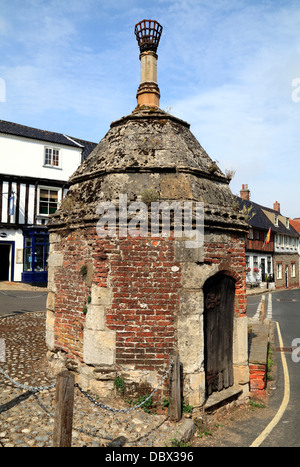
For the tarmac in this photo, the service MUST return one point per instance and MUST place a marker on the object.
(27, 417)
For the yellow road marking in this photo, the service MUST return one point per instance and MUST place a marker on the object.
(257, 442)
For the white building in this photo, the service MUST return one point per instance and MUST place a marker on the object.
(35, 166)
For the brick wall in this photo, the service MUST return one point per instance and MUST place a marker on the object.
(146, 284)
(145, 281)
(258, 378)
(142, 318)
(286, 261)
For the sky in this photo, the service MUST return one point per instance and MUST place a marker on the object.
(230, 68)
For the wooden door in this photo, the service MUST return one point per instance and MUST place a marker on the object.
(219, 294)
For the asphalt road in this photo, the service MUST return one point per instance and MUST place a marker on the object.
(285, 312)
(21, 301)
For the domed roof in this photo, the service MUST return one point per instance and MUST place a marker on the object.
(149, 149)
(148, 140)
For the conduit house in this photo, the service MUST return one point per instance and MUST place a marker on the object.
(120, 304)
(34, 172)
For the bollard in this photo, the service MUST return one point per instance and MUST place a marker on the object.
(63, 420)
(175, 390)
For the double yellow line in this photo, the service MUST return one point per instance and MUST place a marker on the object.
(257, 442)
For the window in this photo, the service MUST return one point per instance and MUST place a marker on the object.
(287, 223)
(278, 240)
(276, 220)
(279, 271)
(251, 234)
(36, 251)
(48, 201)
(269, 265)
(256, 234)
(52, 157)
(293, 270)
(255, 261)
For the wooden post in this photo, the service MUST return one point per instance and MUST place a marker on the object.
(63, 421)
(175, 389)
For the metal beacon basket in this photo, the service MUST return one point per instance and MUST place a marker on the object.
(148, 34)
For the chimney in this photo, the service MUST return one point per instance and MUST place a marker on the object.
(148, 34)
(245, 192)
(276, 206)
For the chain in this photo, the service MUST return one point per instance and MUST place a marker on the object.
(25, 386)
(130, 409)
(35, 389)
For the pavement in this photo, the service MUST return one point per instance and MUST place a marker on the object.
(27, 418)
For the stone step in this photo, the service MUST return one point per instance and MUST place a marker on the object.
(216, 398)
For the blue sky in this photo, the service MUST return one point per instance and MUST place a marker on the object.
(226, 67)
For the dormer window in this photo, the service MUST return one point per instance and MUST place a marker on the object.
(276, 220)
(51, 157)
(287, 223)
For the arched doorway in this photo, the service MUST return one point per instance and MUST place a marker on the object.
(219, 292)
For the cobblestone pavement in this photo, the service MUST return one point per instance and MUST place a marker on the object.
(26, 419)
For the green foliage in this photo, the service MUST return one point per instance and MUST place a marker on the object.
(187, 408)
(83, 271)
(119, 383)
(256, 404)
(147, 406)
(149, 196)
(165, 402)
(175, 443)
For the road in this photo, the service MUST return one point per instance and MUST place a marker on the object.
(21, 301)
(286, 312)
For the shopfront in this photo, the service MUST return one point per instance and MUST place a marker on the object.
(35, 258)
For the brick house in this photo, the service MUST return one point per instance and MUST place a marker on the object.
(275, 258)
(120, 304)
(34, 173)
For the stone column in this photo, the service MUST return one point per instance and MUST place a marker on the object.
(148, 92)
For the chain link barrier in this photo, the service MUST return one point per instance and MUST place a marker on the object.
(32, 389)
(35, 389)
(130, 409)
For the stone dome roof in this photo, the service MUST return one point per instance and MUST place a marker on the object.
(149, 149)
